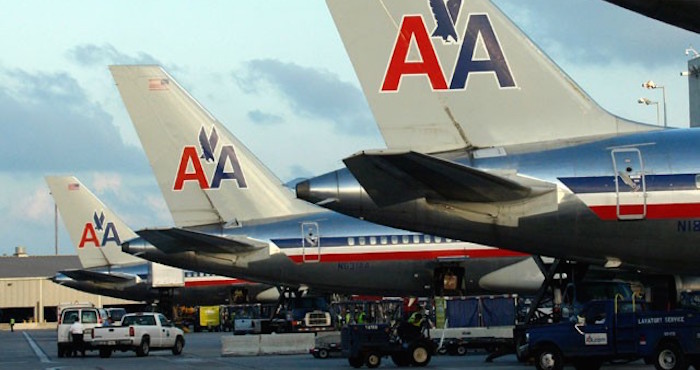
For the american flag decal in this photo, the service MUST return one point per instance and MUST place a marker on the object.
(158, 83)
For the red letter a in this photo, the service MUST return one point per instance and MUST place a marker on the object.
(413, 26)
(189, 155)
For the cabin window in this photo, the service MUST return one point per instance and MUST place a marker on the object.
(697, 181)
(394, 239)
(362, 240)
(448, 240)
(404, 239)
(383, 240)
(416, 239)
(373, 240)
(438, 239)
(351, 241)
(426, 238)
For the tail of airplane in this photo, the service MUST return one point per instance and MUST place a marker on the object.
(94, 229)
(206, 175)
(443, 75)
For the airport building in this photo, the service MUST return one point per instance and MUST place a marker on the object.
(28, 294)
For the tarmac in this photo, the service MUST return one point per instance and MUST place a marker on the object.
(36, 349)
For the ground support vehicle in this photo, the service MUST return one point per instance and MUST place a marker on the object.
(207, 317)
(610, 330)
(89, 316)
(477, 322)
(139, 332)
(327, 345)
(302, 314)
(368, 343)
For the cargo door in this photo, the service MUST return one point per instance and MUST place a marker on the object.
(311, 242)
(630, 184)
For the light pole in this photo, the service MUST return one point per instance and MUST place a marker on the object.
(647, 101)
(651, 85)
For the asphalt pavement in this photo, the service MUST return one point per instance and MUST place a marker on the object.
(36, 349)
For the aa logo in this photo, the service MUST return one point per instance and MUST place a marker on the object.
(91, 229)
(479, 49)
(192, 164)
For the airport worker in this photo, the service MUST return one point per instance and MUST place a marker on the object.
(12, 324)
(76, 332)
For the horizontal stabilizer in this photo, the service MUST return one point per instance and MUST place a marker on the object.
(425, 176)
(99, 277)
(176, 240)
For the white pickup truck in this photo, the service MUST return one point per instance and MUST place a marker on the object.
(140, 332)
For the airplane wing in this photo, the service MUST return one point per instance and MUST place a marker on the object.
(680, 13)
(175, 240)
(391, 178)
(98, 277)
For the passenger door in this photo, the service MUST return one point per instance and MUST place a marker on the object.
(311, 242)
(630, 184)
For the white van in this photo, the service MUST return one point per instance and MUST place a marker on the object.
(90, 317)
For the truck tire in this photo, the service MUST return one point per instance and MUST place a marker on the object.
(179, 345)
(461, 350)
(549, 358)
(419, 354)
(322, 353)
(145, 347)
(401, 359)
(355, 362)
(670, 357)
(373, 360)
(105, 352)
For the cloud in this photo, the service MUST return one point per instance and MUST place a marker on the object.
(312, 93)
(260, 117)
(104, 182)
(597, 32)
(91, 55)
(51, 125)
(33, 207)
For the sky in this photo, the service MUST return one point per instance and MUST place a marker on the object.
(274, 72)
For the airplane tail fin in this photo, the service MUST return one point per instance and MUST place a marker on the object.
(443, 75)
(205, 174)
(94, 229)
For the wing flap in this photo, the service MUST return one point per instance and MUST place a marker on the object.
(176, 240)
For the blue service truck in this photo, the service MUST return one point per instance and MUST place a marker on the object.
(612, 330)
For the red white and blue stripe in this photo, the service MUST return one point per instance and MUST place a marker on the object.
(664, 196)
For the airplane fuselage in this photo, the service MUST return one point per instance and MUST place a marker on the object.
(342, 255)
(627, 200)
(196, 288)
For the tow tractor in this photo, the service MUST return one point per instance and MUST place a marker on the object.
(403, 342)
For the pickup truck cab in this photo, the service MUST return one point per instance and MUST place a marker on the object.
(609, 330)
(139, 332)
